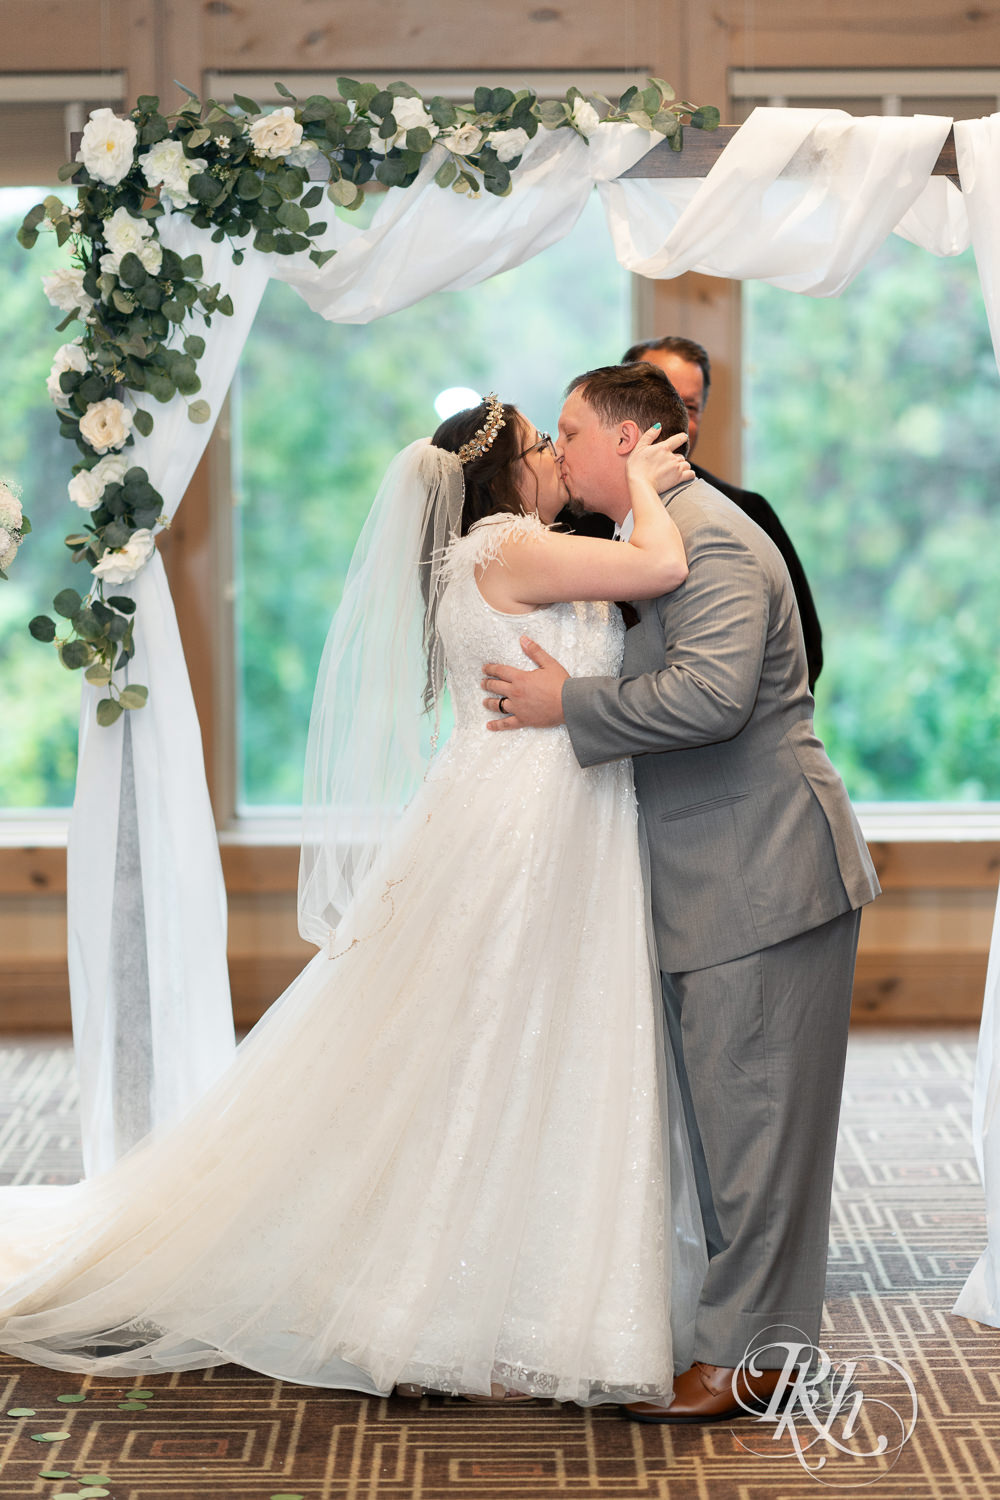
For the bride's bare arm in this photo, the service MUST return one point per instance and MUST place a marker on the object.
(554, 567)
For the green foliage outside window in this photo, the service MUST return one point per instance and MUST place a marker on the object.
(874, 430)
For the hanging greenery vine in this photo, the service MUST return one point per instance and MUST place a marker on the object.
(244, 175)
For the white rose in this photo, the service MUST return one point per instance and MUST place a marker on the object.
(87, 487)
(410, 114)
(585, 116)
(123, 563)
(275, 134)
(509, 143)
(68, 357)
(108, 146)
(11, 514)
(165, 165)
(123, 232)
(151, 255)
(465, 139)
(106, 424)
(377, 145)
(64, 289)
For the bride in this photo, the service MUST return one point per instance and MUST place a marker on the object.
(444, 1156)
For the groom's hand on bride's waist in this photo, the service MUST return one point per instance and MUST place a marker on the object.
(527, 700)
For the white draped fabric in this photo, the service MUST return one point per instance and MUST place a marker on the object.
(799, 198)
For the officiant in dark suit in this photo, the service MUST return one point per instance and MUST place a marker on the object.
(687, 366)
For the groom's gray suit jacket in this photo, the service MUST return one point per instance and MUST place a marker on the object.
(752, 836)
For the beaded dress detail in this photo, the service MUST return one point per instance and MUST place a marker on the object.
(442, 1155)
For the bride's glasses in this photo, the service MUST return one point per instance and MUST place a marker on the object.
(544, 441)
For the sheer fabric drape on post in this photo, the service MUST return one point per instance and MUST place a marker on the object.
(152, 1020)
(799, 198)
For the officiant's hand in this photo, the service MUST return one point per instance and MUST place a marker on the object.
(528, 700)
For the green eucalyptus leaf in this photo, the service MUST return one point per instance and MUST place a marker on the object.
(500, 100)
(285, 93)
(199, 411)
(313, 197)
(292, 216)
(442, 112)
(75, 654)
(133, 696)
(320, 257)
(191, 266)
(72, 1399)
(248, 185)
(174, 310)
(342, 192)
(122, 602)
(419, 139)
(552, 113)
(132, 272)
(143, 421)
(66, 603)
(99, 674)
(67, 170)
(246, 105)
(706, 118)
(348, 88)
(116, 534)
(122, 300)
(446, 173)
(49, 1437)
(87, 625)
(108, 712)
(481, 100)
(25, 1411)
(194, 344)
(198, 138)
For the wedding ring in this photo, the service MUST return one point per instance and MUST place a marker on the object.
(500, 704)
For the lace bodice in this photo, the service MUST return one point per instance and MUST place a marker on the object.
(587, 638)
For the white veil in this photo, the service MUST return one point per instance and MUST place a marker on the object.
(378, 694)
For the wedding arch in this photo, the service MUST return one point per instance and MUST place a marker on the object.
(799, 198)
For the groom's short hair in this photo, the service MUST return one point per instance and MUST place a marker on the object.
(639, 393)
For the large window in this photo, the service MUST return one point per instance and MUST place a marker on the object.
(321, 408)
(38, 699)
(874, 430)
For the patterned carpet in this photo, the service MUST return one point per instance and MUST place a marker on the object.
(908, 1225)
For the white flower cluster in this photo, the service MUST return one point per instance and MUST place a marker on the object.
(126, 235)
(67, 357)
(11, 519)
(121, 564)
(87, 487)
(165, 166)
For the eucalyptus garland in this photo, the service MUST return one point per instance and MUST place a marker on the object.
(237, 173)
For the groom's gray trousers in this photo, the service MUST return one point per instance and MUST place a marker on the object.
(760, 1045)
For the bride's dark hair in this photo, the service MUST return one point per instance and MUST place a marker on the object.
(490, 479)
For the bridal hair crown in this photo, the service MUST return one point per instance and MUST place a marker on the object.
(482, 441)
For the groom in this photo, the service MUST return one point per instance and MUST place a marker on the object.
(758, 874)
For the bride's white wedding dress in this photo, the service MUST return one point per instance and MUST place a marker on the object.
(442, 1155)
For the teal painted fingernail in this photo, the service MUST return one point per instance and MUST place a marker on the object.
(657, 426)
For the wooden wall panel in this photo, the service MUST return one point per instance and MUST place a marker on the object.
(241, 34)
(855, 34)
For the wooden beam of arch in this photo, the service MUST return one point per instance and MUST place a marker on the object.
(702, 149)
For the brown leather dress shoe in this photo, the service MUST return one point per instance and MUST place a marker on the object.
(705, 1394)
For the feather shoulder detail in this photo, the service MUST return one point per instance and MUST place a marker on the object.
(485, 542)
